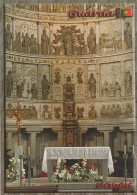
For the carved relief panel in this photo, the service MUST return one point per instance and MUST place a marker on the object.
(92, 81)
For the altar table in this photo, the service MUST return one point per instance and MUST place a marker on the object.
(102, 153)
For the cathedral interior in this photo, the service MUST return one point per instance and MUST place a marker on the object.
(74, 77)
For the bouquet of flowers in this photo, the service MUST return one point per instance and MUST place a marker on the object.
(84, 173)
(14, 170)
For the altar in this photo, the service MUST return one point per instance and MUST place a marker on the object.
(102, 153)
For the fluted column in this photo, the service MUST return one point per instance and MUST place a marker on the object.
(97, 36)
(38, 38)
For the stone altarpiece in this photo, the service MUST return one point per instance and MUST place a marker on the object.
(76, 76)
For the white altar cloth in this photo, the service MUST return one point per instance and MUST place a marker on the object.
(77, 153)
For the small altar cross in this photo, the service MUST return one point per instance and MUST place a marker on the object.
(18, 112)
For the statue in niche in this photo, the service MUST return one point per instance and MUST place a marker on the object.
(57, 111)
(32, 44)
(20, 88)
(92, 86)
(25, 43)
(92, 113)
(92, 41)
(44, 42)
(128, 83)
(46, 113)
(80, 112)
(68, 90)
(18, 42)
(70, 39)
(45, 87)
(79, 76)
(34, 113)
(105, 89)
(9, 84)
(117, 90)
(118, 110)
(9, 114)
(128, 110)
(34, 91)
(103, 111)
(128, 36)
(57, 77)
(8, 37)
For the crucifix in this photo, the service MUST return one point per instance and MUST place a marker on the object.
(18, 113)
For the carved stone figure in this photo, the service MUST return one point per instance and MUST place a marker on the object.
(44, 42)
(128, 36)
(128, 110)
(128, 83)
(25, 43)
(45, 87)
(117, 90)
(70, 39)
(57, 77)
(105, 89)
(57, 111)
(9, 84)
(79, 76)
(20, 89)
(32, 44)
(8, 37)
(9, 113)
(92, 41)
(18, 42)
(92, 113)
(92, 86)
(80, 112)
(34, 91)
(34, 113)
(68, 90)
(46, 113)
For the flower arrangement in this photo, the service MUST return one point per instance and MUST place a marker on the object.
(14, 170)
(84, 173)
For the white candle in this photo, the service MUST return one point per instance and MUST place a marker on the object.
(20, 150)
(133, 149)
(29, 151)
(125, 148)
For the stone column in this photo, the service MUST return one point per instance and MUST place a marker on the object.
(85, 38)
(9, 141)
(97, 80)
(14, 69)
(122, 78)
(97, 36)
(50, 38)
(85, 7)
(86, 81)
(33, 151)
(129, 140)
(122, 29)
(133, 29)
(13, 28)
(39, 82)
(106, 138)
(60, 138)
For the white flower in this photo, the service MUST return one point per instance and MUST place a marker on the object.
(68, 176)
(77, 172)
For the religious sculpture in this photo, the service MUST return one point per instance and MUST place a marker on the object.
(8, 37)
(108, 111)
(92, 41)
(117, 90)
(80, 112)
(128, 36)
(79, 76)
(9, 114)
(92, 86)
(57, 77)
(34, 91)
(25, 43)
(128, 110)
(18, 42)
(20, 88)
(92, 113)
(70, 39)
(111, 111)
(44, 43)
(128, 83)
(105, 89)
(32, 44)
(57, 111)
(45, 87)
(103, 111)
(46, 113)
(68, 90)
(9, 84)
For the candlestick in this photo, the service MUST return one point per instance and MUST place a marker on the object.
(133, 149)
(29, 151)
(20, 150)
(125, 148)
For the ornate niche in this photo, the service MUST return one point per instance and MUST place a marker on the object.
(68, 41)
